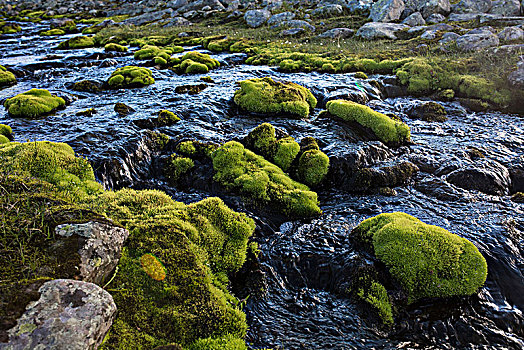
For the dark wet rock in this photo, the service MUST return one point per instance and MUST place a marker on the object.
(108, 62)
(484, 175)
(100, 245)
(87, 113)
(517, 178)
(68, 314)
(122, 109)
(190, 89)
(375, 30)
(336, 33)
(281, 17)
(386, 10)
(440, 189)
(88, 86)
(509, 34)
(368, 179)
(472, 6)
(477, 41)
(426, 110)
(506, 8)
(415, 19)
(256, 18)
(326, 11)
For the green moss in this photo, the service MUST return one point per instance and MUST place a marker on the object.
(239, 169)
(10, 28)
(178, 166)
(376, 295)
(427, 260)
(328, 68)
(361, 75)
(518, 197)
(313, 166)
(3, 139)
(227, 342)
(166, 118)
(196, 149)
(192, 67)
(266, 96)
(6, 130)
(286, 150)
(187, 148)
(33, 103)
(54, 31)
(150, 51)
(78, 42)
(6, 77)
(194, 63)
(160, 61)
(220, 45)
(131, 76)
(115, 47)
(386, 129)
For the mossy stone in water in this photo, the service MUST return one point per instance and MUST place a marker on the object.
(130, 76)
(78, 42)
(313, 166)
(166, 118)
(6, 77)
(427, 260)
(6, 131)
(239, 169)
(385, 129)
(115, 47)
(54, 31)
(267, 96)
(33, 103)
(10, 28)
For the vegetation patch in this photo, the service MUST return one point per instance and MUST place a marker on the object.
(129, 77)
(427, 260)
(78, 42)
(115, 47)
(267, 96)
(10, 28)
(194, 63)
(33, 103)
(53, 32)
(6, 78)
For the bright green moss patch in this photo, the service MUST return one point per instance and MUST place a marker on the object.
(192, 67)
(6, 77)
(376, 295)
(178, 166)
(115, 47)
(33, 103)
(225, 343)
(150, 51)
(267, 96)
(5, 130)
(166, 118)
(54, 31)
(130, 76)
(239, 169)
(194, 63)
(313, 166)
(386, 129)
(427, 260)
(10, 28)
(3, 139)
(78, 42)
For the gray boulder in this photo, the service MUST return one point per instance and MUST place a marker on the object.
(415, 19)
(177, 22)
(256, 18)
(281, 17)
(295, 23)
(326, 11)
(463, 17)
(516, 78)
(472, 6)
(335, 33)
(435, 18)
(68, 314)
(506, 8)
(360, 7)
(386, 10)
(477, 40)
(509, 34)
(149, 17)
(448, 37)
(377, 30)
(100, 246)
(292, 32)
(200, 4)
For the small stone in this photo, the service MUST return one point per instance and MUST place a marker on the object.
(415, 19)
(336, 33)
(123, 109)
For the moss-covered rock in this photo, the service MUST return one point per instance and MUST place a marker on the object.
(518, 197)
(166, 118)
(150, 51)
(178, 166)
(241, 170)
(129, 77)
(194, 63)
(267, 96)
(387, 130)
(52, 32)
(88, 86)
(427, 260)
(78, 42)
(224, 343)
(376, 295)
(313, 166)
(10, 28)
(7, 132)
(33, 103)
(115, 47)
(6, 78)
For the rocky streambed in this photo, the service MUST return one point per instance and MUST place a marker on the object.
(458, 174)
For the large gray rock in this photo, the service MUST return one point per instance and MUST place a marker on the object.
(335, 33)
(500, 21)
(177, 22)
(435, 18)
(516, 78)
(377, 30)
(506, 8)
(509, 34)
(149, 17)
(281, 17)
(431, 7)
(463, 17)
(386, 10)
(200, 4)
(415, 19)
(99, 247)
(326, 11)
(256, 18)
(472, 6)
(68, 314)
(477, 40)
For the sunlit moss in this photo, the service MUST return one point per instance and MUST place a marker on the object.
(130, 76)
(33, 103)
(6, 77)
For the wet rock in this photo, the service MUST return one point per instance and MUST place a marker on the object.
(435, 18)
(386, 10)
(190, 89)
(442, 190)
(509, 34)
(376, 30)
(336, 33)
(88, 86)
(477, 40)
(427, 110)
(108, 62)
(69, 314)
(506, 8)
(256, 18)
(281, 17)
(122, 109)
(484, 175)
(326, 11)
(415, 19)
(472, 6)
(100, 247)
(364, 180)
(517, 178)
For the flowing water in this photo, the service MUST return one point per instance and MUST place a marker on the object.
(306, 265)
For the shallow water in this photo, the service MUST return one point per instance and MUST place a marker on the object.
(307, 264)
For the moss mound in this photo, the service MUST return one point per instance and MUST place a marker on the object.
(54, 31)
(150, 51)
(166, 118)
(10, 28)
(239, 169)
(6, 131)
(376, 295)
(267, 96)
(78, 42)
(386, 129)
(115, 47)
(6, 77)
(194, 63)
(427, 260)
(130, 76)
(33, 103)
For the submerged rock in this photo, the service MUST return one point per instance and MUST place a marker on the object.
(484, 175)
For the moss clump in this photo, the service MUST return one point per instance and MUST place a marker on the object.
(178, 166)
(361, 75)
(33, 103)
(386, 129)
(239, 169)
(194, 63)
(3, 139)
(6, 131)
(160, 61)
(225, 343)
(313, 166)
(192, 67)
(518, 197)
(115, 47)
(54, 31)
(150, 51)
(267, 96)
(376, 295)
(78, 42)
(196, 149)
(427, 260)
(166, 118)
(6, 77)
(130, 76)
(10, 28)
